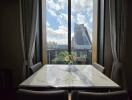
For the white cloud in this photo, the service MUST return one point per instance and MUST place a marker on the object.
(52, 12)
(81, 19)
(52, 5)
(79, 5)
(91, 20)
(63, 19)
(55, 7)
(87, 3)
(89, 9)
(59, 19)
(63, 3)
(62, 31)
(59, 36)
(47, 24)
(65, 16)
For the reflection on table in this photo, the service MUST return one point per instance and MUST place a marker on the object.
(66, 76)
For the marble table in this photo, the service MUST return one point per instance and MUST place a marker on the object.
(69, 76)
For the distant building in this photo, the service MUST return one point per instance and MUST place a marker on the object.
(81, 37)
(80, 45)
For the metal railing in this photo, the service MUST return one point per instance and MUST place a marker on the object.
(81, 55)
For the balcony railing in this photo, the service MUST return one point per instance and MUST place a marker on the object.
(83, 56)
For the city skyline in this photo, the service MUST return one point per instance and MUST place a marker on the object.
(79, 41)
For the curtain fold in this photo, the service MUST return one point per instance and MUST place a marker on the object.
(29, 20)
(33, 32)
(117, 18)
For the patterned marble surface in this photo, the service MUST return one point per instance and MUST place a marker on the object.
(68, 76)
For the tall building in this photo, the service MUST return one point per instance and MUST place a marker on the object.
(82, 39)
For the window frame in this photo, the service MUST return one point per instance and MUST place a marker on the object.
(101, 30)
(94, 35)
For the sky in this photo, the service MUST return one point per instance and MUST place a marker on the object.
(57, 18)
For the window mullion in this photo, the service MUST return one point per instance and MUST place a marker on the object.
(69, 26)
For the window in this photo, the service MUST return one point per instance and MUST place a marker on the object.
(69, 28)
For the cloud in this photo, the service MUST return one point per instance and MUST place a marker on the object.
(87, 3)
(63, 3)
(47, 24)
(81, 19)
(65, 16)
(82, 11)
(63, 19)
(54, 8)
(52, 12)
(62, 31)
(60, 36)
(52, 5)
(79, 5)
(91, 19)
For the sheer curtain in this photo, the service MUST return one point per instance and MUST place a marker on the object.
(117, 20)
(29, 21)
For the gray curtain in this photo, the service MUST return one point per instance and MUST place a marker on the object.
(29, 21)
(117, 18)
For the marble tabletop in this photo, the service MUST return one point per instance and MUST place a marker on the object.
(69, 76)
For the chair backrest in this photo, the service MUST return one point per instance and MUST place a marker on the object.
(35, 67)
(99, 67)
(118, 95)
(23, 94)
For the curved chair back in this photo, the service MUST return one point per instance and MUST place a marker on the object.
(118, 95)
(35, 67)
(24, 94)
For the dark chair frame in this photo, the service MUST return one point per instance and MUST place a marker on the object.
(24, 94)
(116, 95)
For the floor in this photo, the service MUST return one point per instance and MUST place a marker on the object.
(7, 94)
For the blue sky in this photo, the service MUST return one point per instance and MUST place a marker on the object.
(57, 18)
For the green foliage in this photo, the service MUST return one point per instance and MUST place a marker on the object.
(63, 58)
(60, 58)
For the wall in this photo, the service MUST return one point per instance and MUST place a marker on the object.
(129, 45)
(10, 42)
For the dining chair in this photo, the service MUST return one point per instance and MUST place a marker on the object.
(35, 67)
(23, 94)
(99, 67)
(116, 95)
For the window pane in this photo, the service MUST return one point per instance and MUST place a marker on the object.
(56, 30)
(81, 30)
